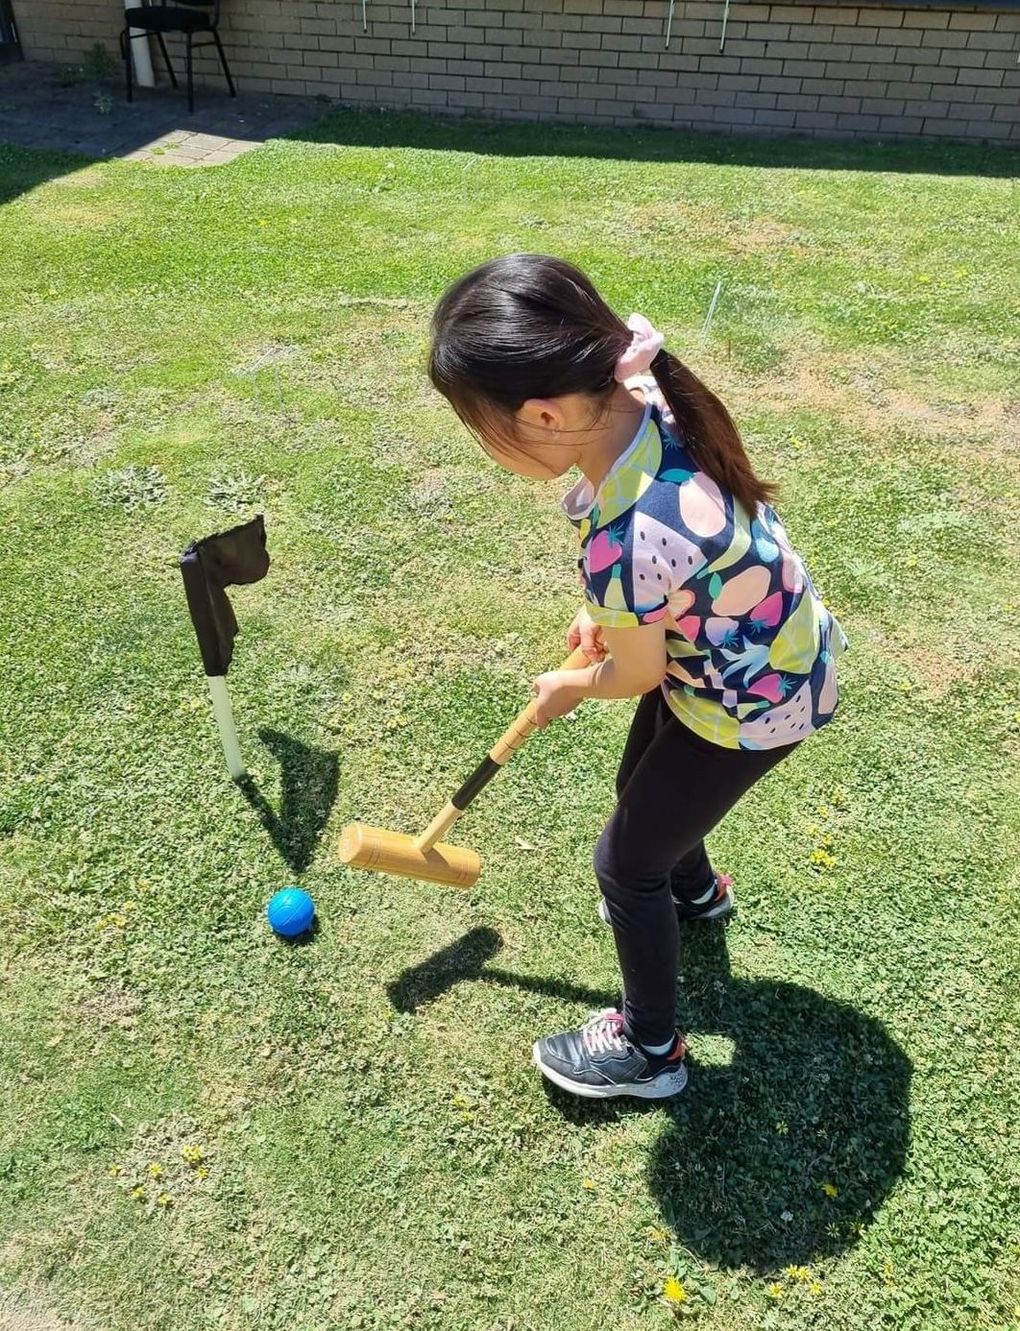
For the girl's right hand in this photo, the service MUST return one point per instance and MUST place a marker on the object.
(587, 635)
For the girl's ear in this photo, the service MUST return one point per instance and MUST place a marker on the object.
(542, 413)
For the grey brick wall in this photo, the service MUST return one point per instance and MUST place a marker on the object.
(63, 30)
(832, 71)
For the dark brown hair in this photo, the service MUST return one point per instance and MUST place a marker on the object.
(529, 326)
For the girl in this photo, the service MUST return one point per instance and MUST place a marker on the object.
(694, 601)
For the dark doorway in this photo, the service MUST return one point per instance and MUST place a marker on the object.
(10, 48)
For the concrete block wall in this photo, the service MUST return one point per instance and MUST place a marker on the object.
(834, 71)
(63, 30)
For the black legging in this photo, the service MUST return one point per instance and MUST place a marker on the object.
(673, 787)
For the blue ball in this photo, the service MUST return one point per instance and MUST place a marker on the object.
(290, 912)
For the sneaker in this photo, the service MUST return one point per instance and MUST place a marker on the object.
(719, 907)
(599, 1062)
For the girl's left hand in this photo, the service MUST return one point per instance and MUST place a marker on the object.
(556, 695)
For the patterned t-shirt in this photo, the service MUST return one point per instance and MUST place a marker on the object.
(751, 648)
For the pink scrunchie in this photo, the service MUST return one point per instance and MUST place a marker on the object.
(645, 345)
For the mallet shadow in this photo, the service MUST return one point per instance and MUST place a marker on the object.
(465, 960)
(778, 1157)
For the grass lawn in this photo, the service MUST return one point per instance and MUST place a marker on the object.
(203, 1128)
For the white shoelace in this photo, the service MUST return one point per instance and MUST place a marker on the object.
(603, 1034)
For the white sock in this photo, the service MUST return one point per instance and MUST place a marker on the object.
(659, 1048)
(707, 897)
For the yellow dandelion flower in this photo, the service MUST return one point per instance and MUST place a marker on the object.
(673, 1292)
(658, 1235)
(192, 1155)
(829, 1189)
(114, 1170)
(589, 1185)
(821, 858)
(164, 1199)
(138, 1193)
(201, 1172)
(775, 1290)
(815, 1287)
(155, 1170)
(798, 1273)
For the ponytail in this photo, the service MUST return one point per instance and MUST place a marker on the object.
(530, 326)
(706, 428)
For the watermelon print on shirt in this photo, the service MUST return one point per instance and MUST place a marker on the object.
(751, 647)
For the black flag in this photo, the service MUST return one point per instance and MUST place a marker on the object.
(209, 565)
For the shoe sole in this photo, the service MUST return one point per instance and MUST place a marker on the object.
(661, 1088)
(724, 911)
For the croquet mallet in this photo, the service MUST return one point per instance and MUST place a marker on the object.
(425, 856)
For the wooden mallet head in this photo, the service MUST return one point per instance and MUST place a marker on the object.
(425, 856)
(365, 847)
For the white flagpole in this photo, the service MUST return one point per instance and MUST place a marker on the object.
(707, 325)
(225, 723)
(725, 16)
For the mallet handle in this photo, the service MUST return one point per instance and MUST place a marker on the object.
(438, 828)
(524, 723)
(500, 753)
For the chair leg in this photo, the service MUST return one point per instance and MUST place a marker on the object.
(191, 75)
(223, 62)
(125, 50)
(166, 59)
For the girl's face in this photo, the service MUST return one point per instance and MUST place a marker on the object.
(547, 436)
(538, 462)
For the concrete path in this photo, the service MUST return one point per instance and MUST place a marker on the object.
(38, 111)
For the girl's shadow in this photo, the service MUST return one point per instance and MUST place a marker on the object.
(793, 1129)
(782, 1153)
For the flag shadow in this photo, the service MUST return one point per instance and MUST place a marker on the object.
(793, 1129)
(308, 788)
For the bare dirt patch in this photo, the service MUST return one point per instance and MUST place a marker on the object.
(760, 235)
(838, 385)
(20, 1314)
(111, 1006)
(84, 217)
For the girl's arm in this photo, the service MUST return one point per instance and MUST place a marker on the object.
(635, 665)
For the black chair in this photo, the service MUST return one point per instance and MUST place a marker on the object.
(187, 17)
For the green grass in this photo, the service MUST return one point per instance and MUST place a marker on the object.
(379, 1152)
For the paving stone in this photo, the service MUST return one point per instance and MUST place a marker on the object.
(207, 141)
(220, 157)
